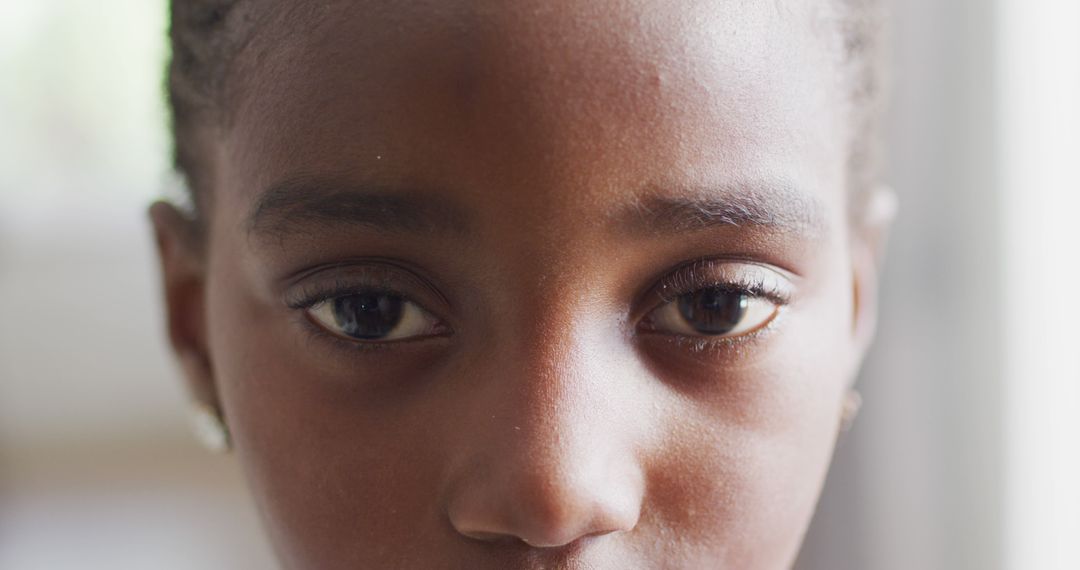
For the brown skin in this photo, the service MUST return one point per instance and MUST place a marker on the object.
(544, 419)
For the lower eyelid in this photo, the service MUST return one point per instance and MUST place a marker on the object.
(434, 323)
(326, 338)
(700, 343)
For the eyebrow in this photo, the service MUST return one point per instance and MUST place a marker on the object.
(296, 204)
(782, 208)
(300, 202)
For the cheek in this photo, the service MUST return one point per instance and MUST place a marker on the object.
(738, 496)
(333, 462)
(750, 439)
(743, 465)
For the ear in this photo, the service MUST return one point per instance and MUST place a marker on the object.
(871, 232)
(183, 277)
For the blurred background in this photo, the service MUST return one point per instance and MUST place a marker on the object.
(966, 455)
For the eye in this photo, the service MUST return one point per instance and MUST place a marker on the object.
(374, 317)
(713, 312)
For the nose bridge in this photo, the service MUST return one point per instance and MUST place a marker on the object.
(563, 384)
(561, 399)
(554, 464)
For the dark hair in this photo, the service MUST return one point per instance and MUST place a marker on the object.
(205, 37)
(208, 35)
(862, 30)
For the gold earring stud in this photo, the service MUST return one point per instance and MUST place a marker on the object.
(852, 404)
(209, 428)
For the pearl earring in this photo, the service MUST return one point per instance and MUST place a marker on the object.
(209, 428)
(852, 405)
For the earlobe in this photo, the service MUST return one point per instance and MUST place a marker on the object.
(868, 251)
(183, 281)
(877, 219)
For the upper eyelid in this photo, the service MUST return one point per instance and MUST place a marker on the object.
(367, 264)
(744, 286)
(357, 276)
(365, 276)
(675, 282)
(310, 298)
(313, 325)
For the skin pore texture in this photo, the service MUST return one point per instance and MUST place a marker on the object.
(540, 182)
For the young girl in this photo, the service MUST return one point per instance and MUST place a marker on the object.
(531, 284)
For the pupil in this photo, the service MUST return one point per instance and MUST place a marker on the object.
(713, 311)
(369, 316)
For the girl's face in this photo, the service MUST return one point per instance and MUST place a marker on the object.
(558, 284)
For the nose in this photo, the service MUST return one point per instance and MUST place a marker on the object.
(547, 501)
(556, 464)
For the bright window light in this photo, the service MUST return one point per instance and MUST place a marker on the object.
(1040, 106)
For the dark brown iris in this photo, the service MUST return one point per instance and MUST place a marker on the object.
(713, 311)
(368, 316)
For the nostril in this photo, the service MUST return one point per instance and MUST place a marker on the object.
(543, 520)
(551, 490)
(533, 540)
(560, 523)
(525, 541)
(484, 536)
(563, 542)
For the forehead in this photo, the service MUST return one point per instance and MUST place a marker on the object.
(577, 103)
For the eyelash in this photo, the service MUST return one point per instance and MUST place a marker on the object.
(695, 276)
(690, 278)
(311, 295)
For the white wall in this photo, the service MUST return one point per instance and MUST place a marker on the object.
(96, 467)
(918, 483)
(1040, 89)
